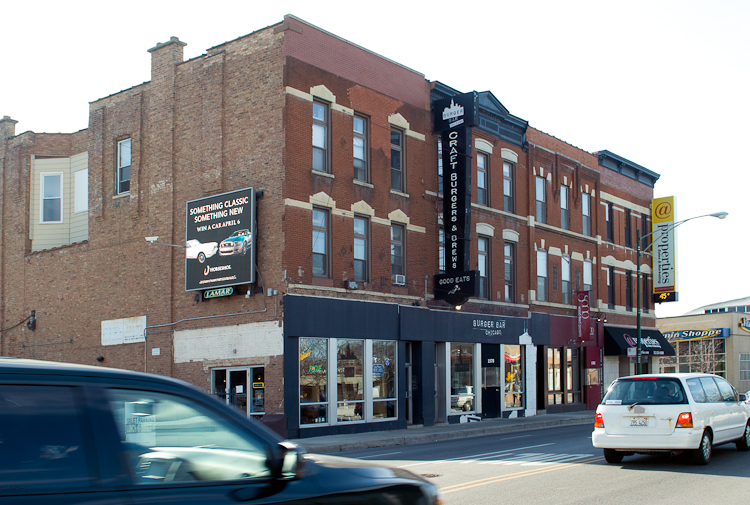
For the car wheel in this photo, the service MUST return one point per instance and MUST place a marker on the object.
(743, 444)
(201, 257)
(702, 455)
(613, 456)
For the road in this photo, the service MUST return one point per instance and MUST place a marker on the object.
(559, 466)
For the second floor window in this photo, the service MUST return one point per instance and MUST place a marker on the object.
(541, 276)
(507, 187)
(564, 208)
(441, 250)
(397, 249)
(440, 166)
(361, 248)
(320, 137)
(123, 166)
(51, 198)
(397, 160)
(482, 179)
(320, 243)
(541, 200)
(360, 149)
(587, 276)
(586, 214)
(644, 231)
(646, 293)
(510, 273)
(611, 287)
(565, 277)
(483, 264)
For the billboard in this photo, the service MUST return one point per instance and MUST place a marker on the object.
(665, 272)
(220, 239)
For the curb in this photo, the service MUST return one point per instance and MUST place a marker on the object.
(426, 438)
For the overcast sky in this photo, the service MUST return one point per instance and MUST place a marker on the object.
(664, 84)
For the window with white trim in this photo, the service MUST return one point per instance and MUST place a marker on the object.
(397, 160)
(361, 248)
(360, 149)
(541, 200)
(565, 276)
(123, 166)
(81, 193)
(541, 275)
(744, 366)
(320, 137)
(586, 211)
(564, 208)
(482, 179)
(320, 242)
(52, 203)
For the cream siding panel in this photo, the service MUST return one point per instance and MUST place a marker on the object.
(73, 228)
(79, 221)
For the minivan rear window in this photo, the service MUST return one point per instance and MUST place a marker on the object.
(658, 391)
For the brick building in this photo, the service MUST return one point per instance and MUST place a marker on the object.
(338, 328)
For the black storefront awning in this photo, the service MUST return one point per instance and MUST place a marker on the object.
(617, 341)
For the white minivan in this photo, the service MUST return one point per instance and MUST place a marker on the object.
(670, 413)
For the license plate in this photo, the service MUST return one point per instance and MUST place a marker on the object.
(639, 421)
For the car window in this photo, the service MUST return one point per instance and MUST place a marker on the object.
(712, 391)
(727, 393)
(168, 438)
(41, 439)
(648, 390)
(696, 390)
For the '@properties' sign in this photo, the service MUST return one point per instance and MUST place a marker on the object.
(664, 281)
(454, 117)
(220, 241)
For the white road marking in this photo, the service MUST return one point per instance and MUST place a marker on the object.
(379, 455)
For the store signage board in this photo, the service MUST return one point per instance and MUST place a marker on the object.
(663, 250)
(453, 118)
(220, 239)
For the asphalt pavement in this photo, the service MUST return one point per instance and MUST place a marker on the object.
(422, 435)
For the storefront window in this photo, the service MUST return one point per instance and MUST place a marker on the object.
(313, 380)
(513, 376)
(383, 379)
(554, 379)
(704, 355)
(350, 380)
(462, 377)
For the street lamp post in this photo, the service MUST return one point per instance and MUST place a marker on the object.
(720, 215)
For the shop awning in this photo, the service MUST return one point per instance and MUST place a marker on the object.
(617, 342)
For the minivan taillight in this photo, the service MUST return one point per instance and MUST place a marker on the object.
(684, 420)
(598, 421)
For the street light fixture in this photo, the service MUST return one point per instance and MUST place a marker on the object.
(720, 215)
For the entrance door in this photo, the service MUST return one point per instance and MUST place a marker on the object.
(243, 388)
(491, 380)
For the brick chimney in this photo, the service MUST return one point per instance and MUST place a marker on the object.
(164, 56)
(7, 127)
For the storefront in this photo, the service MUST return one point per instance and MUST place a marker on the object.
(717, 343)
(368, 366)
(620, 351)
(569, 364)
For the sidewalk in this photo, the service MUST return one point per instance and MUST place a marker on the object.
(421, 435)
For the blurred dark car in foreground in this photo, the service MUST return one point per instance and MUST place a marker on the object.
(74, 434)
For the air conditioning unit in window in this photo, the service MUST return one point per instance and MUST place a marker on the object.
(398, 280)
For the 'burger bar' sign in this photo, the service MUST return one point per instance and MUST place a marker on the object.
(454, 117)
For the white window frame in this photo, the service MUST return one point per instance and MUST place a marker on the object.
(587, 275)
(483, 169)
(745, 372)
(401, 149)
(565, 277)
(363, 137)
(325, 125)
(586, 214)
(541, 273)
(564, 207)
(121, 165)
(42, 198)
(541, 199)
